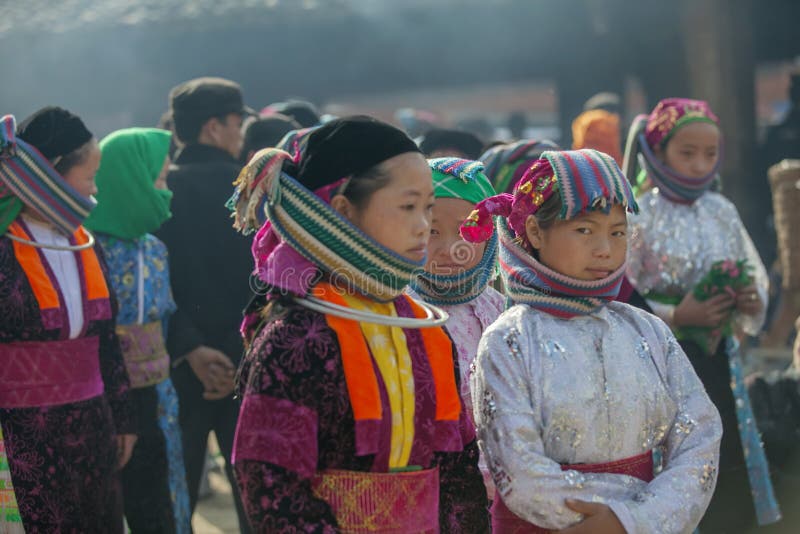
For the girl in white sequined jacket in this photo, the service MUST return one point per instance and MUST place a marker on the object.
(682, 231)
(590, 416)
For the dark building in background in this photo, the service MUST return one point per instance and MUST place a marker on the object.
(114, 61)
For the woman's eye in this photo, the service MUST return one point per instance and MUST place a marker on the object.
(619, 233)
(584, 231)
(408, 207)
(434, 231)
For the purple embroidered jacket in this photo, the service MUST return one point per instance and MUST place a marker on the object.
(62, 457)
(296, 419)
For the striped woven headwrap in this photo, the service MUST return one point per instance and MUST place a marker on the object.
(529, 282)
(27, 175)
(295, 141)
(450, 290)
(586, 180)
(505, 164)
(305, 222)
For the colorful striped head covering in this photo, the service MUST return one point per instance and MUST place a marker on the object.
(505, 164)
(302, 235)
(585, 180)
(27, 177)
(598, 129)
(651, 132)
(462, 179)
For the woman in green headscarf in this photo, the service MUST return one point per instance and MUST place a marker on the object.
(132, 202)
(458, 274)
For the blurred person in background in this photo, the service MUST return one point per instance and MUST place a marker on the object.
(600, 130)
(782, 142)
(132, 202)
(441, 143)
(303, 113)
(783, 139)
(203, 336)
(265, 132)
(507, 162)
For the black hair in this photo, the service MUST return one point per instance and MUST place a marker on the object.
(266, 132)
(361, 187)
(76, 157)
(548, 213)
(188, 129)
(300, 111)
(546, 216)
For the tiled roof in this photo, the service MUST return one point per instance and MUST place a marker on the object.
(65, 15)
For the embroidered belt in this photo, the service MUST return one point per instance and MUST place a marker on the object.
(389, 503)
(49, 373)
(505, 522)
(146, 357)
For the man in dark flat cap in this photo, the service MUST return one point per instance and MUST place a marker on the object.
(209, 266)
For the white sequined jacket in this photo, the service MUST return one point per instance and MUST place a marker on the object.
(594, 389)
(673, 246)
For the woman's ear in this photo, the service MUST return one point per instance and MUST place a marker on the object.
(344, 207)
(533, 232)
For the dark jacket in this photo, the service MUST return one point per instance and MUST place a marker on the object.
(209, 261)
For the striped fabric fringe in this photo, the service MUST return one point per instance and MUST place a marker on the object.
(29, 176)
(463, 169)
(451, 290)
(529, 282)
(315, 230)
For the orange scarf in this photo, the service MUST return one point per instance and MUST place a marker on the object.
(362, 384)
(42, 285)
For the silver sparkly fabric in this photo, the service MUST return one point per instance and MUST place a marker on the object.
(594, 389)
(674, 245)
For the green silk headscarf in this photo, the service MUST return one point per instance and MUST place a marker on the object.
(128, 204)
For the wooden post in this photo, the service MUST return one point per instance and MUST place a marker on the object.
(718, 43)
